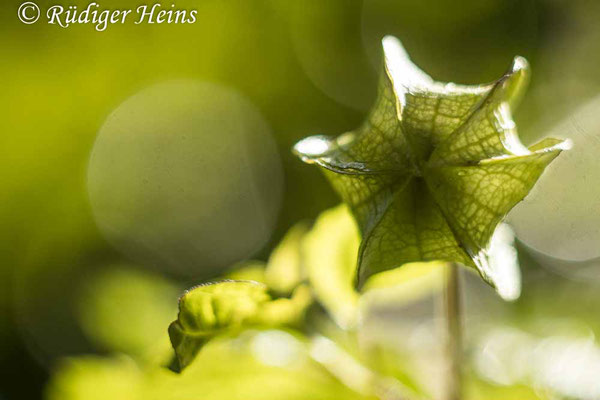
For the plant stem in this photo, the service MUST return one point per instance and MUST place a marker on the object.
(453, 325)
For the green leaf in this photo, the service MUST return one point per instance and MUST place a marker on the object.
(96, 378)
(434, 168)
(284, 270)
(329, 251)
(252, 270)
(404, 285)
(216, 308)
(109, 312)
(258, 364)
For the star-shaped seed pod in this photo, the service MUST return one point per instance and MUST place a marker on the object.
(434, 168)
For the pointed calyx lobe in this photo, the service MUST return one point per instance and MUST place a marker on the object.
(434, 168)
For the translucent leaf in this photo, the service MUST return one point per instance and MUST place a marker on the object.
(248, 271)
(402, 285)
(434, 169)
(266, 365)
(284, 269)
(356, 375)
(95, 378)
(212, 309)
(329, 251)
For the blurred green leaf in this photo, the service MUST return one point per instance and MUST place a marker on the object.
(407, 274)
(329, 251)
(284, 269)
(109, 312)
(216, 308)
(265, 365)
(434, 169)
(350, 369)
(95, 378)
(248, 271)
(403, 285)
(388, 361)
(476, 389)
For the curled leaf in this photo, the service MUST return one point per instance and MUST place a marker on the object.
(227, 306)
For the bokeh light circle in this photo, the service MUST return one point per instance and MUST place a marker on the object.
(560, 216)
(185, 176)
(327, 42)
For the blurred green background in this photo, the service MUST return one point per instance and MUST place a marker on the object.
(140, 160)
